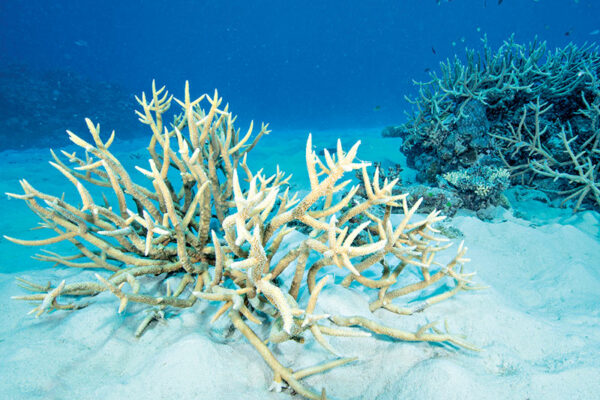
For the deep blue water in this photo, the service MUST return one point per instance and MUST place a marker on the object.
(294, 64)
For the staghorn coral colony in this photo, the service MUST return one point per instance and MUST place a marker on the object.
(201, 214)
(532, 112)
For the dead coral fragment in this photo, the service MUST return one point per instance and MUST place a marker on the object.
(201, 217)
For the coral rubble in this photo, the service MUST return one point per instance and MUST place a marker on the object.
(202, 214)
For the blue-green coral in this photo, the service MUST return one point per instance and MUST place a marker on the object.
(534, 112)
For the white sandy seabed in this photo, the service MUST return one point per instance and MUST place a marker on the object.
(538, 323)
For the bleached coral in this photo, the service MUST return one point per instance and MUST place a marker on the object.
(204, 215)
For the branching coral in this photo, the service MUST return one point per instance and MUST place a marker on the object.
(574, 161)
(195, 217)
(532, 111)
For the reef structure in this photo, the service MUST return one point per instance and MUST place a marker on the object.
(532, 112)
(202, 215)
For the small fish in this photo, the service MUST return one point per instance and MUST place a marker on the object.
(377, 108)
(427, 70)
(433, 50)
(81, 43)
(500, 2)
(568, 33)
(330, 150)
(595, 32)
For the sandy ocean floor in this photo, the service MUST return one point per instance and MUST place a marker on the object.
(538, 323)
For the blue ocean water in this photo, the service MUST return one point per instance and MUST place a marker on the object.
(296, 65)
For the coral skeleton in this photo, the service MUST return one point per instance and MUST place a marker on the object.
(202, 214)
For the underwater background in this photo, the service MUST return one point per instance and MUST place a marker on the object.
(295, 65)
